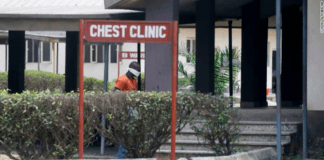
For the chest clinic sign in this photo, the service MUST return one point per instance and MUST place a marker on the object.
(128, 31)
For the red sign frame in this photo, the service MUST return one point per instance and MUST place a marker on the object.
(128, 31)
(171, 36)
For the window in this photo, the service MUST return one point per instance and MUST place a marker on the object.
(188, 46)
(113, 53)
(94, 53)
(29, 50)
(87, 53)
(46, 52)
(38, 51)
(32, 50)
(100, 56)
(191, 47)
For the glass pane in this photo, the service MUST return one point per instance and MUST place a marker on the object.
(100, 54)
(194, 46)
(87, 54)
(30, 50)
(46, 51)
(93, 52)
(113, 53)
(188, 46)
(36, 50)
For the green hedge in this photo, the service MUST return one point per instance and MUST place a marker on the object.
(45, 125)
(182, 82)
(41, 81)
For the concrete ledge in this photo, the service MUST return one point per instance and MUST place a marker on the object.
(262, 154)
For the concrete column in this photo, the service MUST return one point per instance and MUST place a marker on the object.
(292, 71)
(205, 39)
(158, 58)
(17, 50)
(72, 61)
(254, 56)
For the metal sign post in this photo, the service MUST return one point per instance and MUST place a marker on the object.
(174, 89)
(278, 74)
(304, 79)
(136, 32)
(103, 119)
(81, 98)
(139, 84)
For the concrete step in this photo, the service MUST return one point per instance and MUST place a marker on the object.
(184, 153)
(265, 136)
(260, 126)
(260, 136)
(269, 126)
(253, 135)
(195, 145)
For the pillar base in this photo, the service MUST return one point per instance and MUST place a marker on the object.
(291, 103)
(264, 104)
(250, 104)
(254, 104)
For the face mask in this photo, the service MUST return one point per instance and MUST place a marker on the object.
(134, 72)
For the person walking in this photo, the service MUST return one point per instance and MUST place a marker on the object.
(126, 83)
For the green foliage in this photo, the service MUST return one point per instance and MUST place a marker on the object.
(182, 82)
(142, 81)
(219, 126)
(297, 157)
(141, 121)
(94, 84)
(42, 81)
(318, 153)
(43, 125)
(220, 66)
(312, 153)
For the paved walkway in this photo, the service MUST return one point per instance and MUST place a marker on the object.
(92, 152)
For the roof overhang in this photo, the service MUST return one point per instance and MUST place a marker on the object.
(39, 36)
(223, 8)
(54, 15)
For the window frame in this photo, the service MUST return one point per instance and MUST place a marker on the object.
(110, 53)
(33, 51)
(96, 54)
(191, 49)
(103, 53)
(42, 52)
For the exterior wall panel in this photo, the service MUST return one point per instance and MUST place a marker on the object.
(315, 57)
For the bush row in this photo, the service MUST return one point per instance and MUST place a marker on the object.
(45, 125)
(41, 81)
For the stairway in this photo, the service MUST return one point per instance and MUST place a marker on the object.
(253, 135)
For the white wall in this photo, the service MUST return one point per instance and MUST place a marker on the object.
(61, 61)
(2, 57)
(315, 57)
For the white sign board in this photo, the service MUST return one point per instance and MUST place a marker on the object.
(322, 17)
